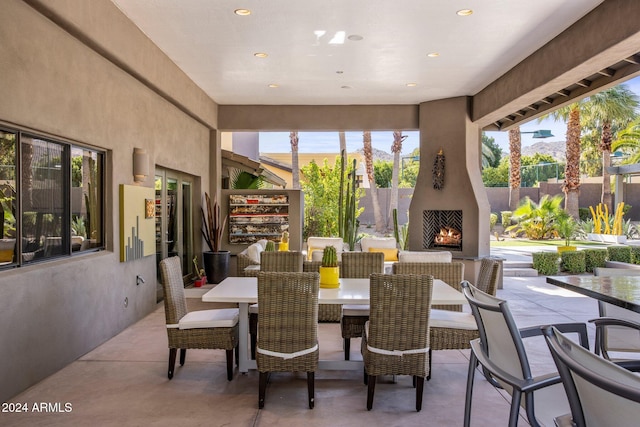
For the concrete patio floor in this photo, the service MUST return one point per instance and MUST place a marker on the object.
(124, 381)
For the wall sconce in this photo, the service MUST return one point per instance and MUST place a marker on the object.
(140, 165)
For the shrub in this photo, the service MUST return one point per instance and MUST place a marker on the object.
(493, 220)
(573, 262)
(584, 214)
(505, 217)
(545, 262)
(635, 254)
(619, 253)
(594, 258)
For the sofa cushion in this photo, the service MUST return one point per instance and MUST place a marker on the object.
(315, 244)
(390, 254)
(452, 319)
(253, 252)
(422, 256)
(377, 242)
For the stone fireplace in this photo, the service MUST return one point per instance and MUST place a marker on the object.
(454, 217)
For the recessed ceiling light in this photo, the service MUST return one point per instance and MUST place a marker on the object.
(464, 12)
(242, 12)
(433, 54)
(412, 84)
(355, 37)
(273, 85)
(339, 72)
(345, 87)
(260, 55)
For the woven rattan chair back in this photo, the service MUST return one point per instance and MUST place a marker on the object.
(451, 273)
(326, 312)
(399, 322)
(175, 304)
(359, 265)
(290, 261)
(288, 312)
(488, 276)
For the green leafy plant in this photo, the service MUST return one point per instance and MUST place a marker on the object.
(505, 218)
(565, 226)
(244, 180)
(619, 253)
(329, 257)
(573, 262)
(270, 246)
(545, 262)
(401, 233)
(212, 224)
(536, 220)
(78, 226)
(594, 258)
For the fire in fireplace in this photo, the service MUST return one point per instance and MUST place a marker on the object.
(442, 228)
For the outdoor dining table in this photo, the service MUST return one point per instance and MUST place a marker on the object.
(244, 291)
(623, 291)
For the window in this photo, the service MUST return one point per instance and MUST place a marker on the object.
(51, 196)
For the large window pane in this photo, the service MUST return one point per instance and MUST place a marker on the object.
(86, 199)
(42, 191)
(8, 205)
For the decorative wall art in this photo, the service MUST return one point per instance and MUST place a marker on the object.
(255, 217)
(137, 229)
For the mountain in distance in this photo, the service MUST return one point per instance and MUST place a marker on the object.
(378, 154)
(555, 149)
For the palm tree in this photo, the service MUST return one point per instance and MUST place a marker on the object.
(295, 168)
(396, 148)
(628, 140)
(571, 115)
(514, 168)
(368, 160)
(605, 112)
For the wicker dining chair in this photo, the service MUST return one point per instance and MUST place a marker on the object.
(449, 328)
(357, 265)
(289, 261)
(396, 337)
(204, 329)
(600, 393)
(288, 327)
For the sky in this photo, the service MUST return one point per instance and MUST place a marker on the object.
(327, 142)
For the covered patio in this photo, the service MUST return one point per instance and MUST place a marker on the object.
(124, 382)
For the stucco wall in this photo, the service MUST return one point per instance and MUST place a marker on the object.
(55, 83)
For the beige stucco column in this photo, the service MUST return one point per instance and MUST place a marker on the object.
(445, 124)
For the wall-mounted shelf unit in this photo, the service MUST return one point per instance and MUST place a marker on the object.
(255, 217)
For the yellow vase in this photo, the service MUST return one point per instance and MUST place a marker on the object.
(283, 246)
(329, 277)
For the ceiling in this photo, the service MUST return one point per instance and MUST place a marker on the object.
(216, 47)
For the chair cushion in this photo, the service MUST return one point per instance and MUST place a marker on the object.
(422, 256)
(219, 318)
(452, 320)
(355, 310)
(390, 254)
(253, 252)
(319, 243)
(377, 242)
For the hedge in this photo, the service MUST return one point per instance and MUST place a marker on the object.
(573, 262)
(545, 262)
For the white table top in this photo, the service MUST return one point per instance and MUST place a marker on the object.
(351, 291)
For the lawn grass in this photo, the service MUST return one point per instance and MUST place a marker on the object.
(528, 242)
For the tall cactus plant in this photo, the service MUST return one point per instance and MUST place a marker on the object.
(400, 233)
(347, 212)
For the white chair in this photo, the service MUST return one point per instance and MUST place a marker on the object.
(501, 352)
(618, 329)
(600, 393)
(316, 245)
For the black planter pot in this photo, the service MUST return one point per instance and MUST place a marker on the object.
(216, 266)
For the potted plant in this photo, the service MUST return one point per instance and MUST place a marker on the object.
(566, 228)
(284, 242)
(329, 270)
(216, 261)
(201, 279)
